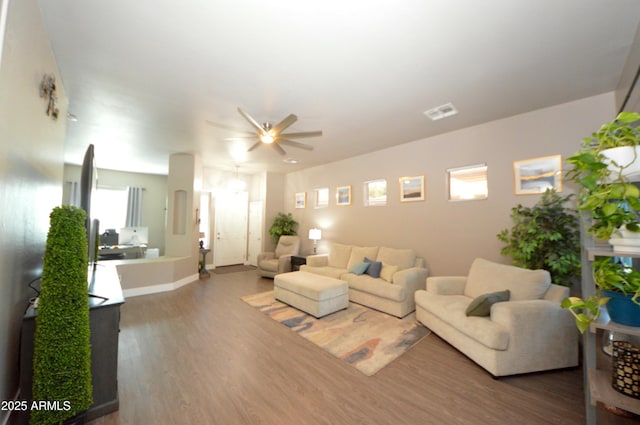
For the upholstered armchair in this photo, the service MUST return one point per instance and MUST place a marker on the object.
(273, 263)
(521, 331)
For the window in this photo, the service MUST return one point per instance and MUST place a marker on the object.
(375, 193)
(109, 205)
(468, 183)
(322, 197)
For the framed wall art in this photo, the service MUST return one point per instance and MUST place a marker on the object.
(343, 195)
(411, 189)
(322, 197)
(536, 175)
(301, 199)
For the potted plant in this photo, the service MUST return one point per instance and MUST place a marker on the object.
(62, 350)
(617, 286)
(283, 224)
(545, 236)
(604, 175)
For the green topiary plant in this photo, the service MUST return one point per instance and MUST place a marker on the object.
(545, 236)
(283, 224)
(62, 353)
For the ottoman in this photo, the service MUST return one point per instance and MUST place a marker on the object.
(312, 293)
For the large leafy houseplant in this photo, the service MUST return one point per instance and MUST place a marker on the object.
(283, 224)
(545, 236)
(62, 352)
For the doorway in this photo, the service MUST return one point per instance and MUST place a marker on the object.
(255, 232)
(231, 216)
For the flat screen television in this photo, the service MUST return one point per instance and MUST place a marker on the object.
(88, 183)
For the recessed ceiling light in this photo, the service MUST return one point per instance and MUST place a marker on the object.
(290, 161)
(442, 111)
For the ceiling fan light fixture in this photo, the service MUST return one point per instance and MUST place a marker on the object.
(267, 138)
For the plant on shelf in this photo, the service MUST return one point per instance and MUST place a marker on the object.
(283, 224)
(613, 280)
(604, 169)
(602, 174)
(62, 352)
(545, 236)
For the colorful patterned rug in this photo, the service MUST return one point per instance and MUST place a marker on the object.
(366, 339)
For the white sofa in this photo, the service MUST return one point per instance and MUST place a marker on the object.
(528, 333)
(402, 274)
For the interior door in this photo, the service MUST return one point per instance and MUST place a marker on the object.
(255, 232)
(230, 239)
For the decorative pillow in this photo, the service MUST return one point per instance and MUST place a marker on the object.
(481, 305)
(388, 271)
(374, 267)
(359, 252)
(359, 268)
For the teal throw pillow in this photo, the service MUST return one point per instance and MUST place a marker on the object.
(374, 267)
(481, 305)
(359, 268)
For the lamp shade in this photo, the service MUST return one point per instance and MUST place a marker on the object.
(315, 234)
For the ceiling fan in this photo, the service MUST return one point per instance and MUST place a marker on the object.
(274, 136)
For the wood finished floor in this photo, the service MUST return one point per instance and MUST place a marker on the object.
(200, 355)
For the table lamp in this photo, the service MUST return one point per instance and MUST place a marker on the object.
(315, 235)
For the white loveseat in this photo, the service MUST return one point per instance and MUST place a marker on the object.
(402, 274)
(528, 333)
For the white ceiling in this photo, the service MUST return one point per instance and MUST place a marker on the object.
(144, 77)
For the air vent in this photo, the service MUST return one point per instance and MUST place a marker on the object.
(442, 111)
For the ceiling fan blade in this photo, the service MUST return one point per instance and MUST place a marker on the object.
(282, 125)
(243, 138)
(252, 121)
(295, 144)
(277, 147)
(254, 146)
(302, 134)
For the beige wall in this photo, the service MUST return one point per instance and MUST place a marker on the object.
(449, 235)
(154, 197)
(31, 158)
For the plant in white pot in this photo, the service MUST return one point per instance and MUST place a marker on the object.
(605, 180)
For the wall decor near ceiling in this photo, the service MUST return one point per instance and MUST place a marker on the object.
(322, 197)
(301, 199)
(48, 91)
(468, 183)
(536, 175)
(411, 189)
(343, 195)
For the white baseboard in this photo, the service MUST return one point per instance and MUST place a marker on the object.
(5, 420)
(163, 287)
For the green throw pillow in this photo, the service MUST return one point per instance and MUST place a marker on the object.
(481, 305)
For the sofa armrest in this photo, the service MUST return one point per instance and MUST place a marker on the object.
(556, 293)
(412, 279)
(266, 256)
(446, 285)
(318, 260)
(530, 318)
(284, 263)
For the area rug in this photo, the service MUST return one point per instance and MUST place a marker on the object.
(366, 339)
(232, 269)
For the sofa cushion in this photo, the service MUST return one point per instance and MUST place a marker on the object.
(481, 306)
(388, 271)
(451, 310)
(333, 272)
(374, 267)
(486, 276)
(358, 253)
(359, 268)
(269, 265)
(339, 255)
(377, 287)
(403, 258)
